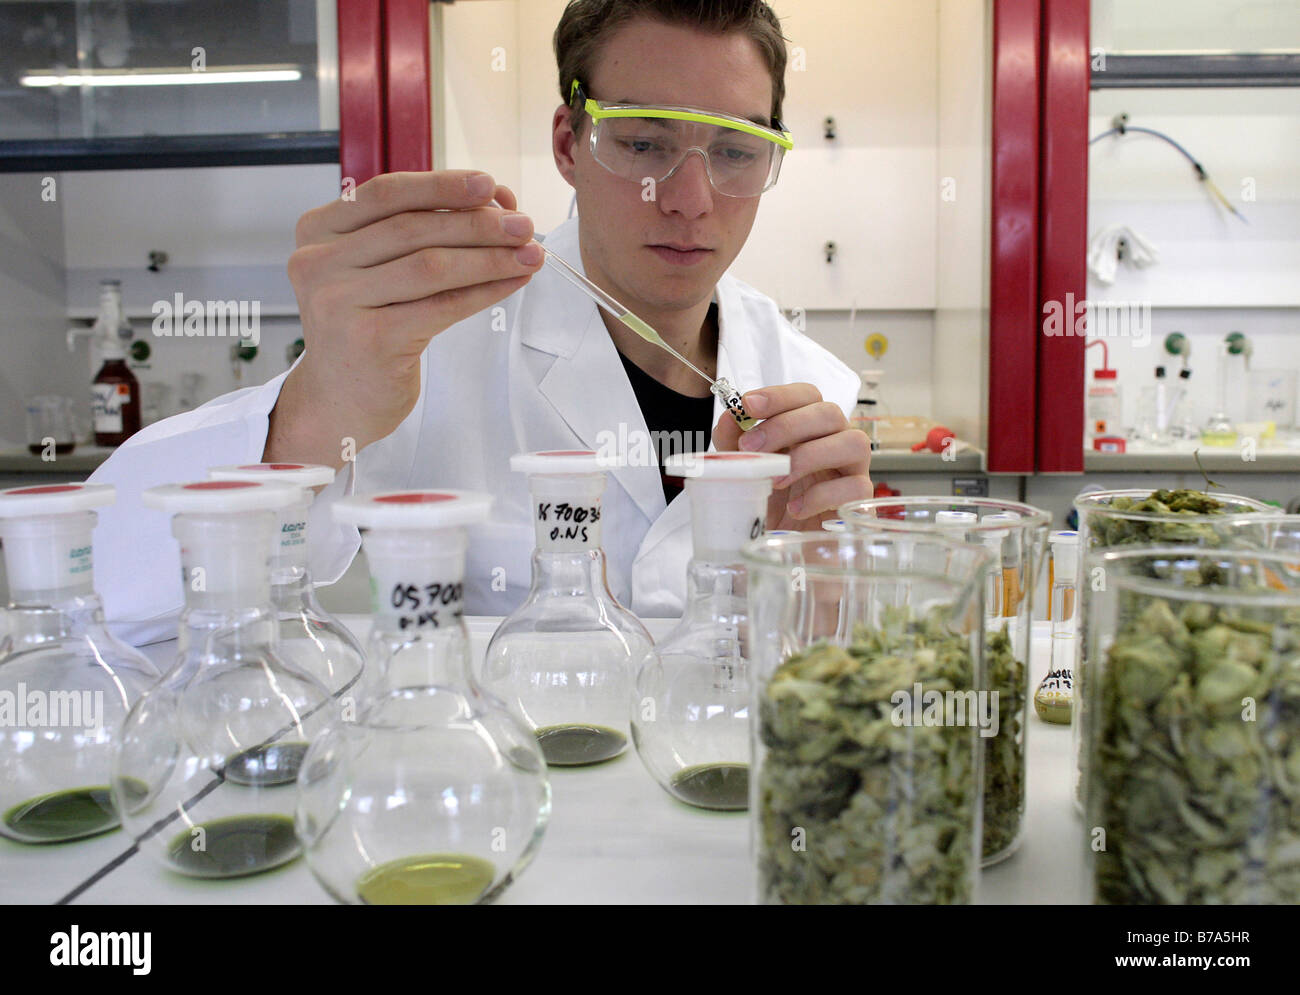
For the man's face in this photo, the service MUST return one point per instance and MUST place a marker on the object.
(628, 237)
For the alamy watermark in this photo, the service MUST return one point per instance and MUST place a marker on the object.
(919, 707)
(633, 447)
(1100, 319)
(234, 319)
(38, 708)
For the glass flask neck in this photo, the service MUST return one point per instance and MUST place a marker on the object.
(725, 514)
(573, 573)
(225, 561)
(715, 592)
(289, 545)
(49, 559)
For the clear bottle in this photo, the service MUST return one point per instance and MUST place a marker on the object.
(205, 769)
(65, 682)
(567, 657)
(867, 412)
(1054, 699)
(310, 636)
(434, 793)
(690, 708)
(115, 392)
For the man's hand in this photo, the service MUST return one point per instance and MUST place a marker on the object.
(829, 461)
(376, 278)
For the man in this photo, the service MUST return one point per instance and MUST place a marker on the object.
(437, 346)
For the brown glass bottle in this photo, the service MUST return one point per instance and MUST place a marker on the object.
(116, 403)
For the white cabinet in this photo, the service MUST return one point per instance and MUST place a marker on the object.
(873, 190)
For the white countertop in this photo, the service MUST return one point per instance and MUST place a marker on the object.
(615, 836)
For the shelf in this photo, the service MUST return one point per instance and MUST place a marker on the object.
(83, 459)
(1227, 460)
(1234, 69)
(903, 461)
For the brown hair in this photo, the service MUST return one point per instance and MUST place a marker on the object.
(585, 24)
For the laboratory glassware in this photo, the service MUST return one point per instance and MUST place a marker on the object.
(1054, 697)
(1194, 739)
(1014, 535)
(208, 757)
(65, 682)
(690, 707)
(867, 412)
(434, 792)
(1140, 517)
(866, 786)
(566, 658)
(1105, 410)
(310, 636)
(51, 426)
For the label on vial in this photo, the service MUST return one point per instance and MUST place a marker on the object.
(423, 606)
(79, 561)
(293, 534)
(562, 525)
(106, 401)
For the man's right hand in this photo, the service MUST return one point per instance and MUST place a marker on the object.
(376, 278)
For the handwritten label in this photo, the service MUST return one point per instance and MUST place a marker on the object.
(563, 524)
(428, 605)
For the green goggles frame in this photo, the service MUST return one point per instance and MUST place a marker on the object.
(599, 110)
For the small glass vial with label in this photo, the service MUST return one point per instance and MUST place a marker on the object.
(208, 757)
(433, 792)
(690, 711)
(1054, 699)
(310, 636)
(567, 657)
(65, 682)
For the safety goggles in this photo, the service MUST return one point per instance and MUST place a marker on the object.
(636, 142)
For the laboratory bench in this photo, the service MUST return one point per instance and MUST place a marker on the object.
(82, 462)
(614, 837)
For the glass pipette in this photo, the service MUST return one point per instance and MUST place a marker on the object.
(721, 387)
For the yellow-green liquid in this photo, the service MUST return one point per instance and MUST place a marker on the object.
(746, 423)
(720, 787)
(641, 328)
(430, 879)
(62, 815)
(578, 745)
(1053, 708)
(235, 846)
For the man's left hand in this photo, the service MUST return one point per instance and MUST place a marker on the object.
(829, 461)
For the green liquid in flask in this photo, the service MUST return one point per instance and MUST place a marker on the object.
(579, 745)
(432, 879)
(721, 787)
(62, 815)
(235, 846)
(266, 766)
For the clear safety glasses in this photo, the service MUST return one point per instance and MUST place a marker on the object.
(637, 142)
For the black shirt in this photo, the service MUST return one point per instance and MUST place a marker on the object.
(677, 423)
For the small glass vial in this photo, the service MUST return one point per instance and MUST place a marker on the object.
(567, 657)
(435, 793)
(1054, 699)
(310, 636)
(205, 769)
(65, 682)
(690, 710)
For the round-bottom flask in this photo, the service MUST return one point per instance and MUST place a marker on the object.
(566, 658)
(208, 757)
(434, 793)
(310, 637)
(65, 682)
(690, 707)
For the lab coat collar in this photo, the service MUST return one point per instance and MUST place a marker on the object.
(587, 384)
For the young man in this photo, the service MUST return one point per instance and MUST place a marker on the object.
(437, 346)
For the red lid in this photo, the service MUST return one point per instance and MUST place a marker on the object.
(417, 497)
(1105, 374)
(47, 489)
(218, 485)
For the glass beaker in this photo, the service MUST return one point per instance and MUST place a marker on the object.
(690, 707)
(65, 682)
(567, 657)
(51, 426)
(435, 792)
(1015, 535)
(1133, 517)
(208, 757)
(310, 637)
(866, 783)
(1194, 742)
(1272, 397)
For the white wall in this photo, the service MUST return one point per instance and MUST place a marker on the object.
(32, 317)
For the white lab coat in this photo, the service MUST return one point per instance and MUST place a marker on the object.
(551, 380)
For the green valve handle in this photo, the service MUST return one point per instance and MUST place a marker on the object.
(1237, 343)
(1176, 344)
(140, 350)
